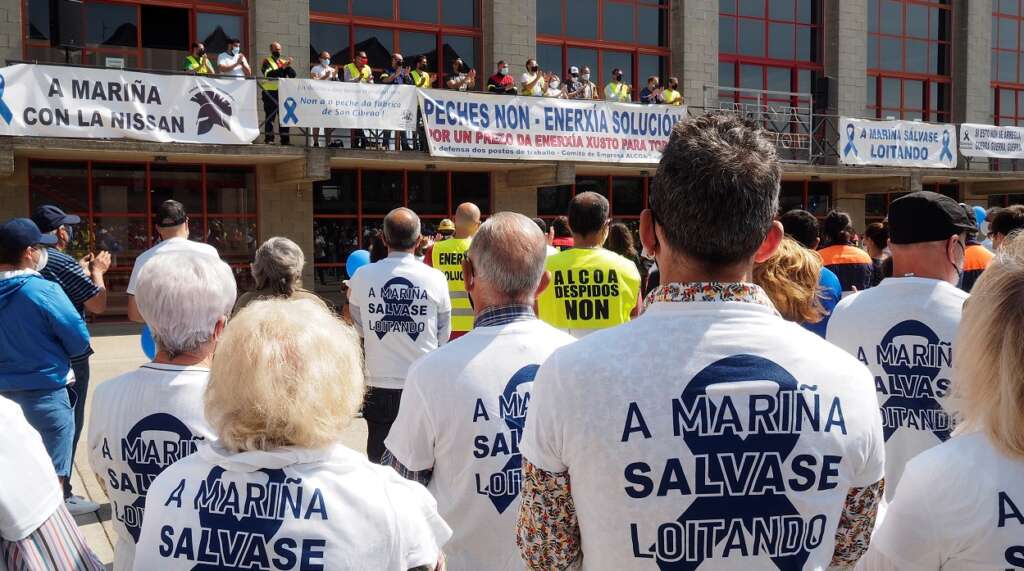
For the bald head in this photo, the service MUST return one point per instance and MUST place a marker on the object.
(508, 255)
(467, 220)
(401, 230)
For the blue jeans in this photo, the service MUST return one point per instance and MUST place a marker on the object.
(77, 394)
(49, 412)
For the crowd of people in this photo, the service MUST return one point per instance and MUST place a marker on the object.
(533, 82)
(749, 390)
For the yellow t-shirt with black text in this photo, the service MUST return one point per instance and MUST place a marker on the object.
(590, 289)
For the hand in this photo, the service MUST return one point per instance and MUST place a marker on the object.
(85, 261)
(100, 263)
(472, 74)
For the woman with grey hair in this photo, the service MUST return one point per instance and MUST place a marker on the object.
(277, 270)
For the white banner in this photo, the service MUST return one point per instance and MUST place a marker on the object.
(991, 141)
(55, 101)
(336, 104)
(896, 143)
(478, 125)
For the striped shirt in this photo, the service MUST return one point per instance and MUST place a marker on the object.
(65, 271)
(57, 544)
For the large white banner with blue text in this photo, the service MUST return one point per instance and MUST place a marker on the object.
(991, 141)
(896, 143)
(335, 104)
(475, 125)
(62, 101)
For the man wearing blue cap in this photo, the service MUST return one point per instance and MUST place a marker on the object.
(41, 337)
(82, 281)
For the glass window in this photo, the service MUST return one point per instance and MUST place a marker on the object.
(627, 196)
(553, 200)
(331, 6)
(179, 182)
(332, 38)
(751, 37)
(165, 28)
(548, 57)
(549, 18)
(428, 192)
(459, 47)
(781, 9)
(460, 13)
(652, 65)
(418, 10)
(214, 30)
(780, 41)
(753, 8)
(38, 19)
(372, 8)
(412, 45)
(63, 184)
(378, 44)
(230, 190)
(119, 188)
(751, 77)
(582, 57)
(651, 26)
(472, 187)
(598, 184)
(727, 35)
(337, 195)
(582, 19)
(618, 22)
(382, 191)
(612, 60)
(111, 25)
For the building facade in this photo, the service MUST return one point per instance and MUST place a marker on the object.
(794, 65)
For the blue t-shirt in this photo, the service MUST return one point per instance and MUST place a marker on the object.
(831, 292)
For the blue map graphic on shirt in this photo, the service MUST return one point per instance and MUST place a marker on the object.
(739, 506)
(147, 458)
(917, 369)
(513, 412)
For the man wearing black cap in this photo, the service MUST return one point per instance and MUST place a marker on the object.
(903, 329)
(172, 226)
(41, 336)
(86, 292)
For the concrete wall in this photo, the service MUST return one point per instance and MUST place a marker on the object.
(10, 30)
(972, 62)
(694, 26)
(845, 57)
(287, 210)
(513, 199)
(284, 21)
(14, 191)
(510, 34)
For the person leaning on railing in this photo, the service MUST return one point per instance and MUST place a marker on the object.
(197, 61)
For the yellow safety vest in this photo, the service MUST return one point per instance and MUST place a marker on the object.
(196, 65)
(671, 97)
(620, 91)
(420, 78)
(447, 256)
(270, 84)
(591, 288)
(353, 71)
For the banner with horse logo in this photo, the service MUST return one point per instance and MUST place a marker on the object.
(81, 102)
(896, 143)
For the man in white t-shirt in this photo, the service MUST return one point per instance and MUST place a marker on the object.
(709, 432)
(401, 309)
(464, 405)
(533, 81)
(145, 420)
(233, 61)
(35, 526)
(903, 329)
(172, 226)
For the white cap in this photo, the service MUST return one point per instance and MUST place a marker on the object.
(574, 69)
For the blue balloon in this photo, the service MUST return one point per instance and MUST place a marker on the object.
(356, 260)
(979, 215)
(148, 344)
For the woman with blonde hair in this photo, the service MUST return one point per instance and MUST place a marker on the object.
(790, 278)
(960, 505)
(277, 489)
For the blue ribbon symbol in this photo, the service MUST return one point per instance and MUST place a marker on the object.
(5, 111)
(850, 147)
(946, 153)
(289, 111)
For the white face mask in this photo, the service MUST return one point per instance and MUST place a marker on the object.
(555, 84)
(235, 50)
(503, 71)
(44, 256)
(325, 62)
(586, 77)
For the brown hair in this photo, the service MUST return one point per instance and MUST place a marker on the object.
(790, 278)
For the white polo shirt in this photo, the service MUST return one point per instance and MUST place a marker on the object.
(400, 306)
(164, 246)
(903, 331)
(462, 415)
(29, 490)
(141, 423)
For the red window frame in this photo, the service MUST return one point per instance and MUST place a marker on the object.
(795, 65)
(935, 87)
(600, 75)
(952, 190)
(194, 6)
(396, 25)
(609, 181)
(1007, 112)
(361, 218)
(805, 194)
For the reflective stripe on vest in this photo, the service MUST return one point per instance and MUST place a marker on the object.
(590, 289)
(192, 64)
(619, 90)
(420, 78)
(447, 256)
(671, 97)
(270, 84)
(354, 71)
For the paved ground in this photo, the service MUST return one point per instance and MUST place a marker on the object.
(117, 351)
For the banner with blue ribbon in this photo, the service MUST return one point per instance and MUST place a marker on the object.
(289, 112)
(5, 111)
(896, 143)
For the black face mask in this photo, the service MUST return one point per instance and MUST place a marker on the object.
(201, 53)
(276, 54)
(618, 77)
(534, 68)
